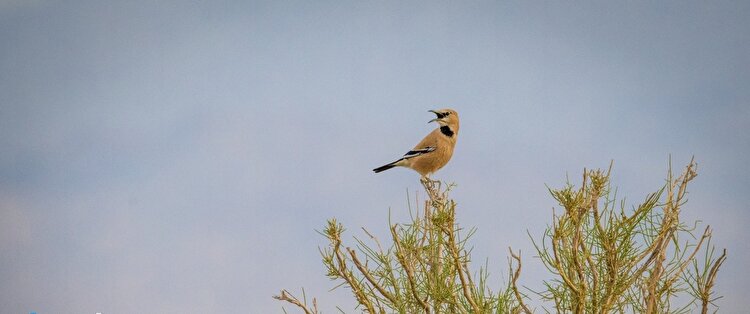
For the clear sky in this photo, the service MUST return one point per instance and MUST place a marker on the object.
(177, 157)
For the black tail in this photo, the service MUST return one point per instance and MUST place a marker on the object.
(384, 168)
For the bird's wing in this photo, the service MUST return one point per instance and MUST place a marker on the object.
(419, 152)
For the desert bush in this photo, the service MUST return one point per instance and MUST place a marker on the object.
(602, 258)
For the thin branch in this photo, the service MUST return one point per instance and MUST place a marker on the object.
(706, 289)
(365, 272)
(517, 274)
(409, 271)
(461, 275)
(678, 273)
(288, 297)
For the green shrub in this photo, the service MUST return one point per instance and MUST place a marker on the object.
(602, 258)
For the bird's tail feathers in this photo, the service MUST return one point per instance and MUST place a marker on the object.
(386, 167)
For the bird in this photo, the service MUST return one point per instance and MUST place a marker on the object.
(435, 150)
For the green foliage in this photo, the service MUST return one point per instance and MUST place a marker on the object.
(602, 258)
(426, 269)
(608, 259)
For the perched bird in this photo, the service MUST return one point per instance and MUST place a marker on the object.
(435, 150)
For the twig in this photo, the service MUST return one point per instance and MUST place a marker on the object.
(409, 271)
(346, 274)
(706, 289)
(517, 274)
(288, 297)
(362, 269)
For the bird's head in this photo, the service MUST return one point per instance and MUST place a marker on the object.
(446, 117)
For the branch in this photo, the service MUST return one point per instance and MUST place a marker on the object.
(461, 272)
(346, 274)
(409, 271)
(517, 274)
(369, 277)
(706, 289)
(288, 297)
(678, 273)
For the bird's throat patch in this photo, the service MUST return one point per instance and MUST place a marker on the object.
(446, 130)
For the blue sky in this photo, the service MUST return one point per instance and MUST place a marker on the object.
(177, 157)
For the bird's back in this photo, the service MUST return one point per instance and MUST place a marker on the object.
(435, 160)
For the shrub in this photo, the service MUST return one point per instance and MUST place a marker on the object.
(602, 258)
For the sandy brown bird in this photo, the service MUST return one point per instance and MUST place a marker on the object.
(435, 150)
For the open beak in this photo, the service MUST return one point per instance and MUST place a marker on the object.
(439, 116)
